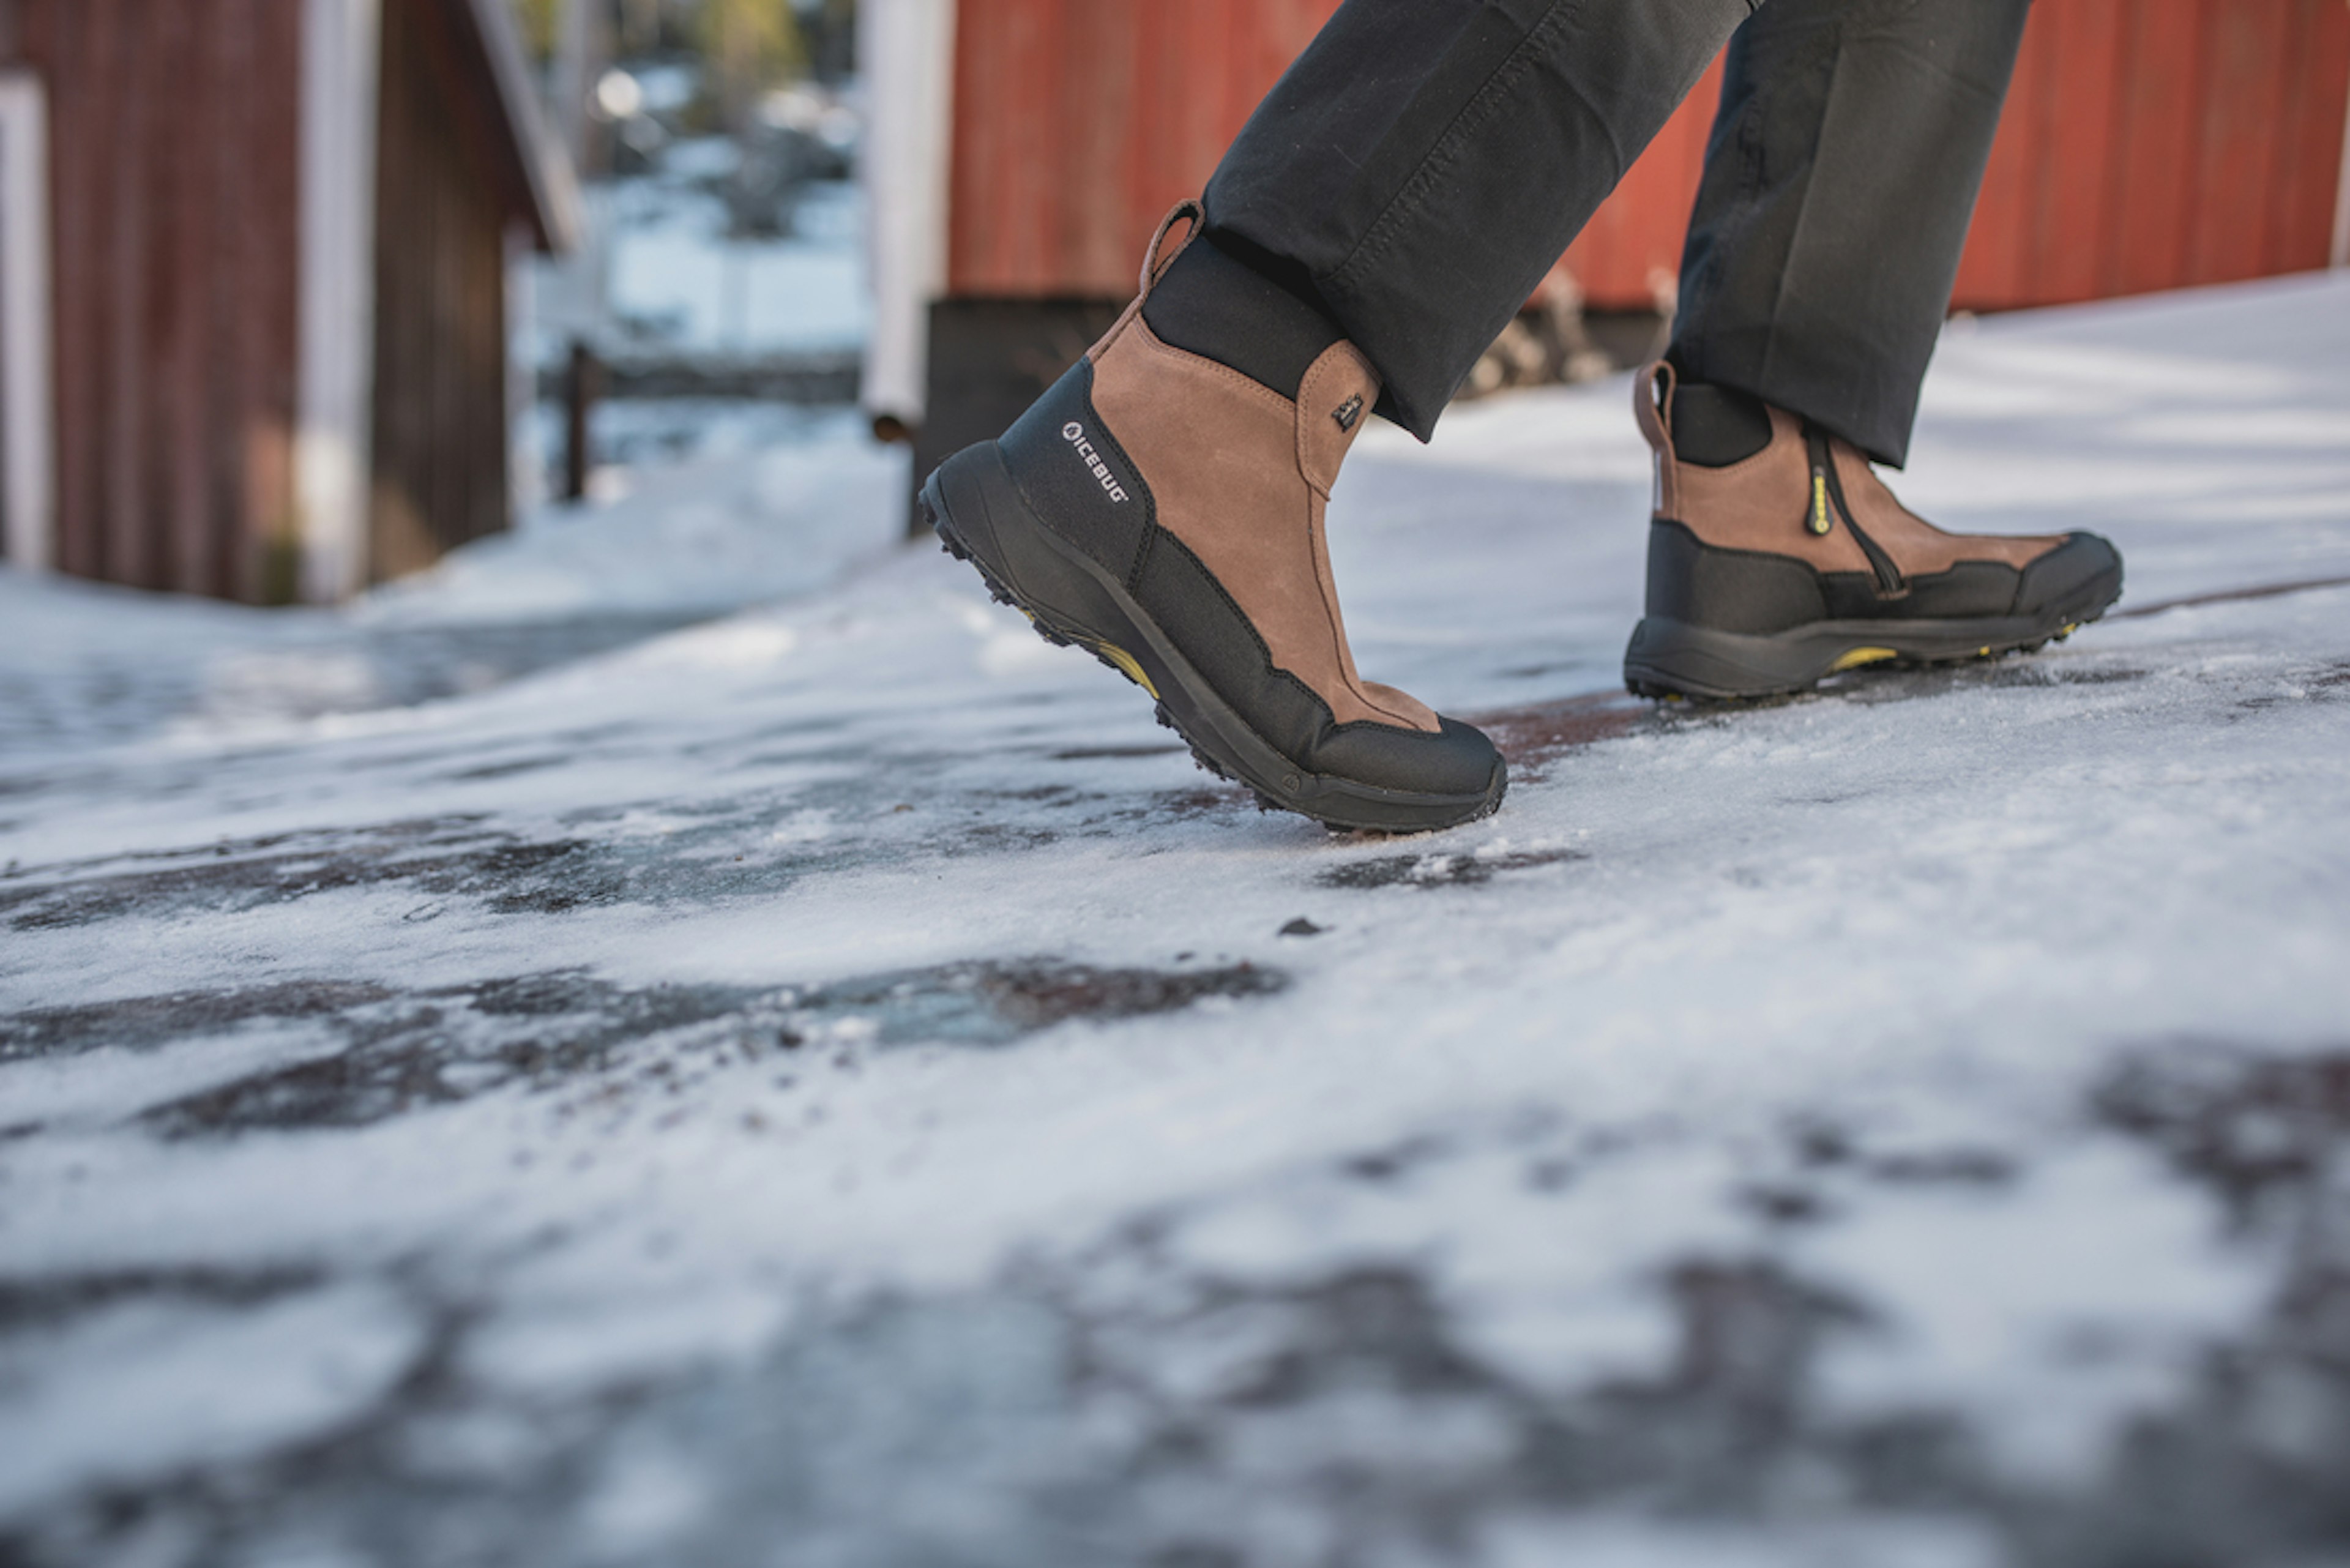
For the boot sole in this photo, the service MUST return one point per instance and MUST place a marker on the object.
(1673, 659)
(980, 516)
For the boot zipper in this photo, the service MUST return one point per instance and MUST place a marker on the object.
(1827, 488)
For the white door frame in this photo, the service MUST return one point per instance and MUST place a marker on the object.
(342, 48)
(906, 51)
(2341, 251)
(27, 393)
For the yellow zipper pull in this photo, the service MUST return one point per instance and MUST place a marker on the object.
(1821, 522)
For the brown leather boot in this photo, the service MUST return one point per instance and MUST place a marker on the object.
(1771, 573)
(1165, 513)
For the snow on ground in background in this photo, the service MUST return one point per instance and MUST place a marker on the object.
(675, 270)
(722, 532)
(90, 664)
(836, 1074)
(639, 434)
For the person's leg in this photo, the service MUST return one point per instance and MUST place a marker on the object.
(1391, 204)
(1165, 512)
(1422, 164)
(1839, 180)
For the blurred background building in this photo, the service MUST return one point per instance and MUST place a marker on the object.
(258, 258)
(296, 294)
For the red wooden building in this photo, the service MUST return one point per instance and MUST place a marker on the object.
(254, 262)
(2147, 144)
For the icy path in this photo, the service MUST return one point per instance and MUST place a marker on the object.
(834, 1086)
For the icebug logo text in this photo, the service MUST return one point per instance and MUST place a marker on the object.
(1074, 434)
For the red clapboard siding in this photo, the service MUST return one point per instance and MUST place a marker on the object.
(2162, 143)
(2313, 107)
(2075, 46)
(1080, 122)
(2244, 67)
(176, 209)
(2148, 144)
(439, 436)
(2162, 109)
(173, 180)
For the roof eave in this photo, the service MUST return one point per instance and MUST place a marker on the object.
(556, 211)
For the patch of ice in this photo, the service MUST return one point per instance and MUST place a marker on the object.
(134, 1392)
(1920, 1541)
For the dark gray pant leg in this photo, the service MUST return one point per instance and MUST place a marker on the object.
(1839, 180)
(1424, 163)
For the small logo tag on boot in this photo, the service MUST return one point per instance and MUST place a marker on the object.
(1348, 412)
(1074, 434)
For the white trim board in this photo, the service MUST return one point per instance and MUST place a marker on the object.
(342, 44)
(2341, 252)
(525, 482)
(908, 51)
(546, 157)
(28, 394)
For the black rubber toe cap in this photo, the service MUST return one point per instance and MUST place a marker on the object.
(1458, 760)
(2082, 575)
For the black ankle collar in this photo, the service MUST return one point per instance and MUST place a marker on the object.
(1714, 426)
(1219, 301)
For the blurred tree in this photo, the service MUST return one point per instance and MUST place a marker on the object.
(831, 26)
(640, 27)
(754, 46)
(540, 21)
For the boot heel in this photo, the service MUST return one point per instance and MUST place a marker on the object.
(1672, 658)
(980, 516)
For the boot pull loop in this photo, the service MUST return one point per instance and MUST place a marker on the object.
(1652, 405)
(1153, 267)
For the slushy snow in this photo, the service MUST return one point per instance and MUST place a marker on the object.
(829, 1084)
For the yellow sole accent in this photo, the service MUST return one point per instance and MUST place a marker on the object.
(1860, 656)
(1126, 664)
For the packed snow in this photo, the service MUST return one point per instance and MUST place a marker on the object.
(667, 278)
(831, 1084)
(678, 277)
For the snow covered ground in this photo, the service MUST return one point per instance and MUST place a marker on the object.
(668, 280)
(831, 1085)
(677, 275)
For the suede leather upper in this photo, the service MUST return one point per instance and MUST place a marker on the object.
(1763, 504)
(1241, 476)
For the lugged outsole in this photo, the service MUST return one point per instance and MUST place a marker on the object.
(1665, 691)
(1045, 625)
(954, 547)
(1646, 680)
